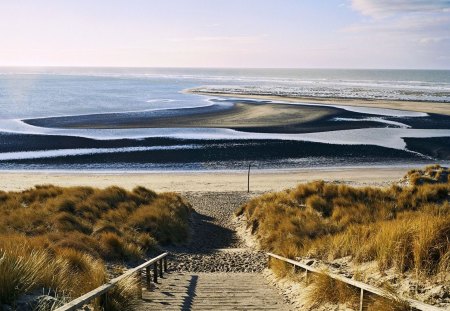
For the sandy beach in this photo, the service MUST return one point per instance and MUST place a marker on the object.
(419, 106)
(260, 181)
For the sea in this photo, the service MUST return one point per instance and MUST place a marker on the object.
(391, 137)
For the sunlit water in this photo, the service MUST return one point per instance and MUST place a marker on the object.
(27, 93)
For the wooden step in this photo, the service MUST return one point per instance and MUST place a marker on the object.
(212, 291)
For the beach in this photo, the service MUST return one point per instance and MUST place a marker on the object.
(260, 181)
(407, 105)
(225, 155)
(202, 153)
(190, 120)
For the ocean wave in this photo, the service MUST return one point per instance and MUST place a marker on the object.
(349, 91)
(391, 85)
(248, 78)
(162, 100)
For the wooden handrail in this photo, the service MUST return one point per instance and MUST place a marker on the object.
(363, 286)
(103, 289)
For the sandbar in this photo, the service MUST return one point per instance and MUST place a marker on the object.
(419, 106)
(240, 115)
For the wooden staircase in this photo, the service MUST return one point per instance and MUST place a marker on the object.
(212, 291)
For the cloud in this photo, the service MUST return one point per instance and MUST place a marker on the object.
(412, 24)
(383, 8)
(408, 18)
(406, 32)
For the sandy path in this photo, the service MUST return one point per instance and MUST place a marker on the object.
(216, 270)
(214, 245)
(203, 181)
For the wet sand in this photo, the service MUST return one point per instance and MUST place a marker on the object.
(204, 181)
(245, 115)
(419, 106)
(240, 115)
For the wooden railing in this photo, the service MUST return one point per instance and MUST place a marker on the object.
(160, 260)
(415, 304)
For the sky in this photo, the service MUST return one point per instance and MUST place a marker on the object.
(394, 34)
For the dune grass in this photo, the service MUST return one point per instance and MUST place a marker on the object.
(403, 227)
(328, 290)
(324, 289)
(57, 240)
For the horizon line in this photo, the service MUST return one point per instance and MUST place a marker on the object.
(218, 67)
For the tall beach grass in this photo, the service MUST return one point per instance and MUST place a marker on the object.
(405, 226)
(57, 240)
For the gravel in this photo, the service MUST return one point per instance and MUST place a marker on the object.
(214, 245)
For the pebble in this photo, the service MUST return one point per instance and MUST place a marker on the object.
(214, 245)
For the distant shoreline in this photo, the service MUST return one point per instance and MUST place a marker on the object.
(418, 106)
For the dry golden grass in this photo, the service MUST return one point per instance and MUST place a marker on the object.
(393, 303)
(324, 289)
(57, 239)
(429, 175)
(407, 227)
(24, 268)
(123, 296)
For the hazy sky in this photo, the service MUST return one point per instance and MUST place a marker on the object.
(226, 33)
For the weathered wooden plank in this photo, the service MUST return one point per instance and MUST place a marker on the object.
(88, 297)
(372, 289)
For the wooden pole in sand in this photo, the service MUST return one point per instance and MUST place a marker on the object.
(248, 179)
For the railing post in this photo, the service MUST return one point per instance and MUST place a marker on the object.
(161, 268)
(139, 285)
(155, 272)
(361, 300)
(165, 264)
(306, 276)
(148, 276)
(268, 261)
(248, 179)
(103, 300)
(294, 269)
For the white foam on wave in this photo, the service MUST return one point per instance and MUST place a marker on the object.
(373, 88)
(23, 155)
(274, 80)
(338, 89)
(161, 100)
